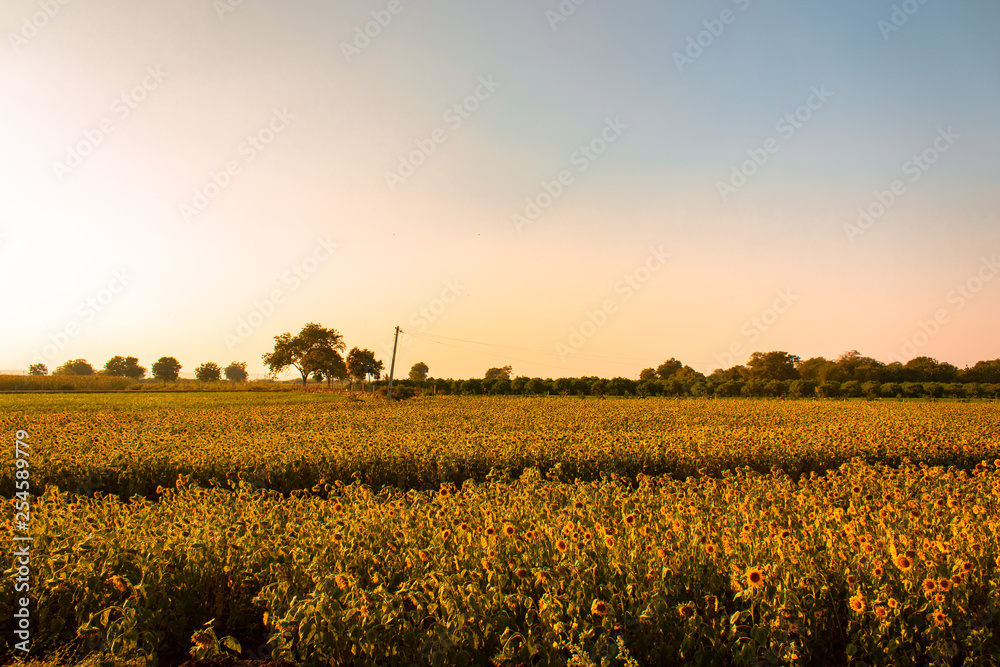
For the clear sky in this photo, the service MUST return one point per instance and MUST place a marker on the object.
(597, 185)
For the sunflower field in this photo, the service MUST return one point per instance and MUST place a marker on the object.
(510, 531)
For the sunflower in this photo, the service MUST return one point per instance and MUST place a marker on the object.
(881, 612)
(940, 618)
(904, 563)
(755, 577)
(562, 546)
(878, 571)
(609, 542)
(630, 519)
(857, 604)
(685, 610)
(491, 531)
(893, 603)
(509, 530)
(599, 608)
(944, 584)
(930, 585)
(710, 549)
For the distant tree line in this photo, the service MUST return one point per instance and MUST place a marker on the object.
(777, 374)
(316, 353)
(166, 369)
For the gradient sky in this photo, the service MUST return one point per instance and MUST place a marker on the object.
(114, 115)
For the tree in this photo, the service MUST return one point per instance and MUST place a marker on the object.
(208, 372)
(419, 372)
(75, 367)
(852, 366)
(815, 368)
(38, 369)
(166, 369)
(987, 372)
(736, 373)
(328, 365)
(647, 374)
(237, 372)
(688, 375)
(362, 364)
(124, 367)
(301, 351)
(497, 373)
(668, 368)
(773, 366)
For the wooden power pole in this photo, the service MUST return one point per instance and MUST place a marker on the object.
(392, 366)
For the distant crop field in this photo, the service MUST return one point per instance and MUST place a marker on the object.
(510, 530)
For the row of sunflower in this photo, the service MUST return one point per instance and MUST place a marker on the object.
(127, 445)
(868, 564)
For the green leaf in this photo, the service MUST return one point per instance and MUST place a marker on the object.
(231, 643)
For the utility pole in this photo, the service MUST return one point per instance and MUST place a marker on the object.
(392, 366)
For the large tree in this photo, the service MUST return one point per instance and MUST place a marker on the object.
(419, 372)
(208, 372)
(126, 367)
(497, 373)
(302, 351)
(362, 364)
(773, 366)
(75, 367)
(38, 369)
(237, 372)
(167, 369)
(328, 365)
(815, 369)
(668, 368)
